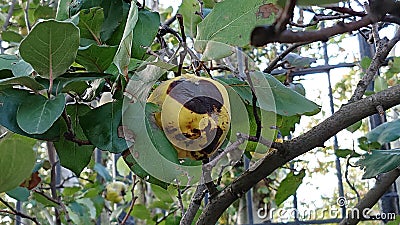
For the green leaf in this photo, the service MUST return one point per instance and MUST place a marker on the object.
(289, 186)
(394, 222)
(268, 120)
(209, 3)
(59, 42)
(43, 200)
(140, 172)
(162, 194)
(343, 153)
(99, 203)
(229, 24)
(37, 114)
(365, 62)
(113, 16)
(70, 191)
(68, 81)
(7, 61)
(152, 156)
(11, 36)
(288, 124)
(379, 161)
(173, 220)
(44, 12)
(123, 55)
(77, 5)
(101, 125)
(90, 22)
(380, 84)
(102, 171)
(159, 204)
(394, 65)
(366, 145)
(90, 207)
(63, 10)
(141, 83)
(352, 128)
(140, 211)
(286, 101)
(216, 50)
(15, 168)
(79, 213)
(21, 68)
(72, 155)
(298, 61)
(19, 193)
(10, 100)
(188, 11)
(145, 31)
(122, 168)
(96, 58)
(157, 136)
(24, 81)
(272, 95)
(385, 133)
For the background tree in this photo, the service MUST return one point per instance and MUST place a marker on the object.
(75, 77)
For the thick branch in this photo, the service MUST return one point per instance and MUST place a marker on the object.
(264, 34)
(194, 205)
(372, 196)
(344, 117)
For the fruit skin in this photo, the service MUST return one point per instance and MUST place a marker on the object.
(195, 114)
(115, 191)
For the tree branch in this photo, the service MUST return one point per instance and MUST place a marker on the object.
(383, 48)
(17, 213)
(371, 197)
(263, 35)
(273, 63)
(194, 205)
(9, 15)
(51, 151)
(344, 117)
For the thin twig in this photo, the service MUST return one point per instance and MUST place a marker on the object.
(180, 202)
(166, 216)
(183, 53)
(240, 140)
(47, 197)
(383, 48)
(53, 185)
(9, 15)
(284, 18)
(17, 213)
(135, 182)
(200, 13)
(346, 175)
(273, 63)
(254, 98)
(70, 134)
(26, 16)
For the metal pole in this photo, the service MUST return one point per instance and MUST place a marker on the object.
(249, 197)
(335, 139)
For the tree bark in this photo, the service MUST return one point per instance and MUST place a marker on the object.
(347, 115)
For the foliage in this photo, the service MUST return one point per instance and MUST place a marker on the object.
(79, 140)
